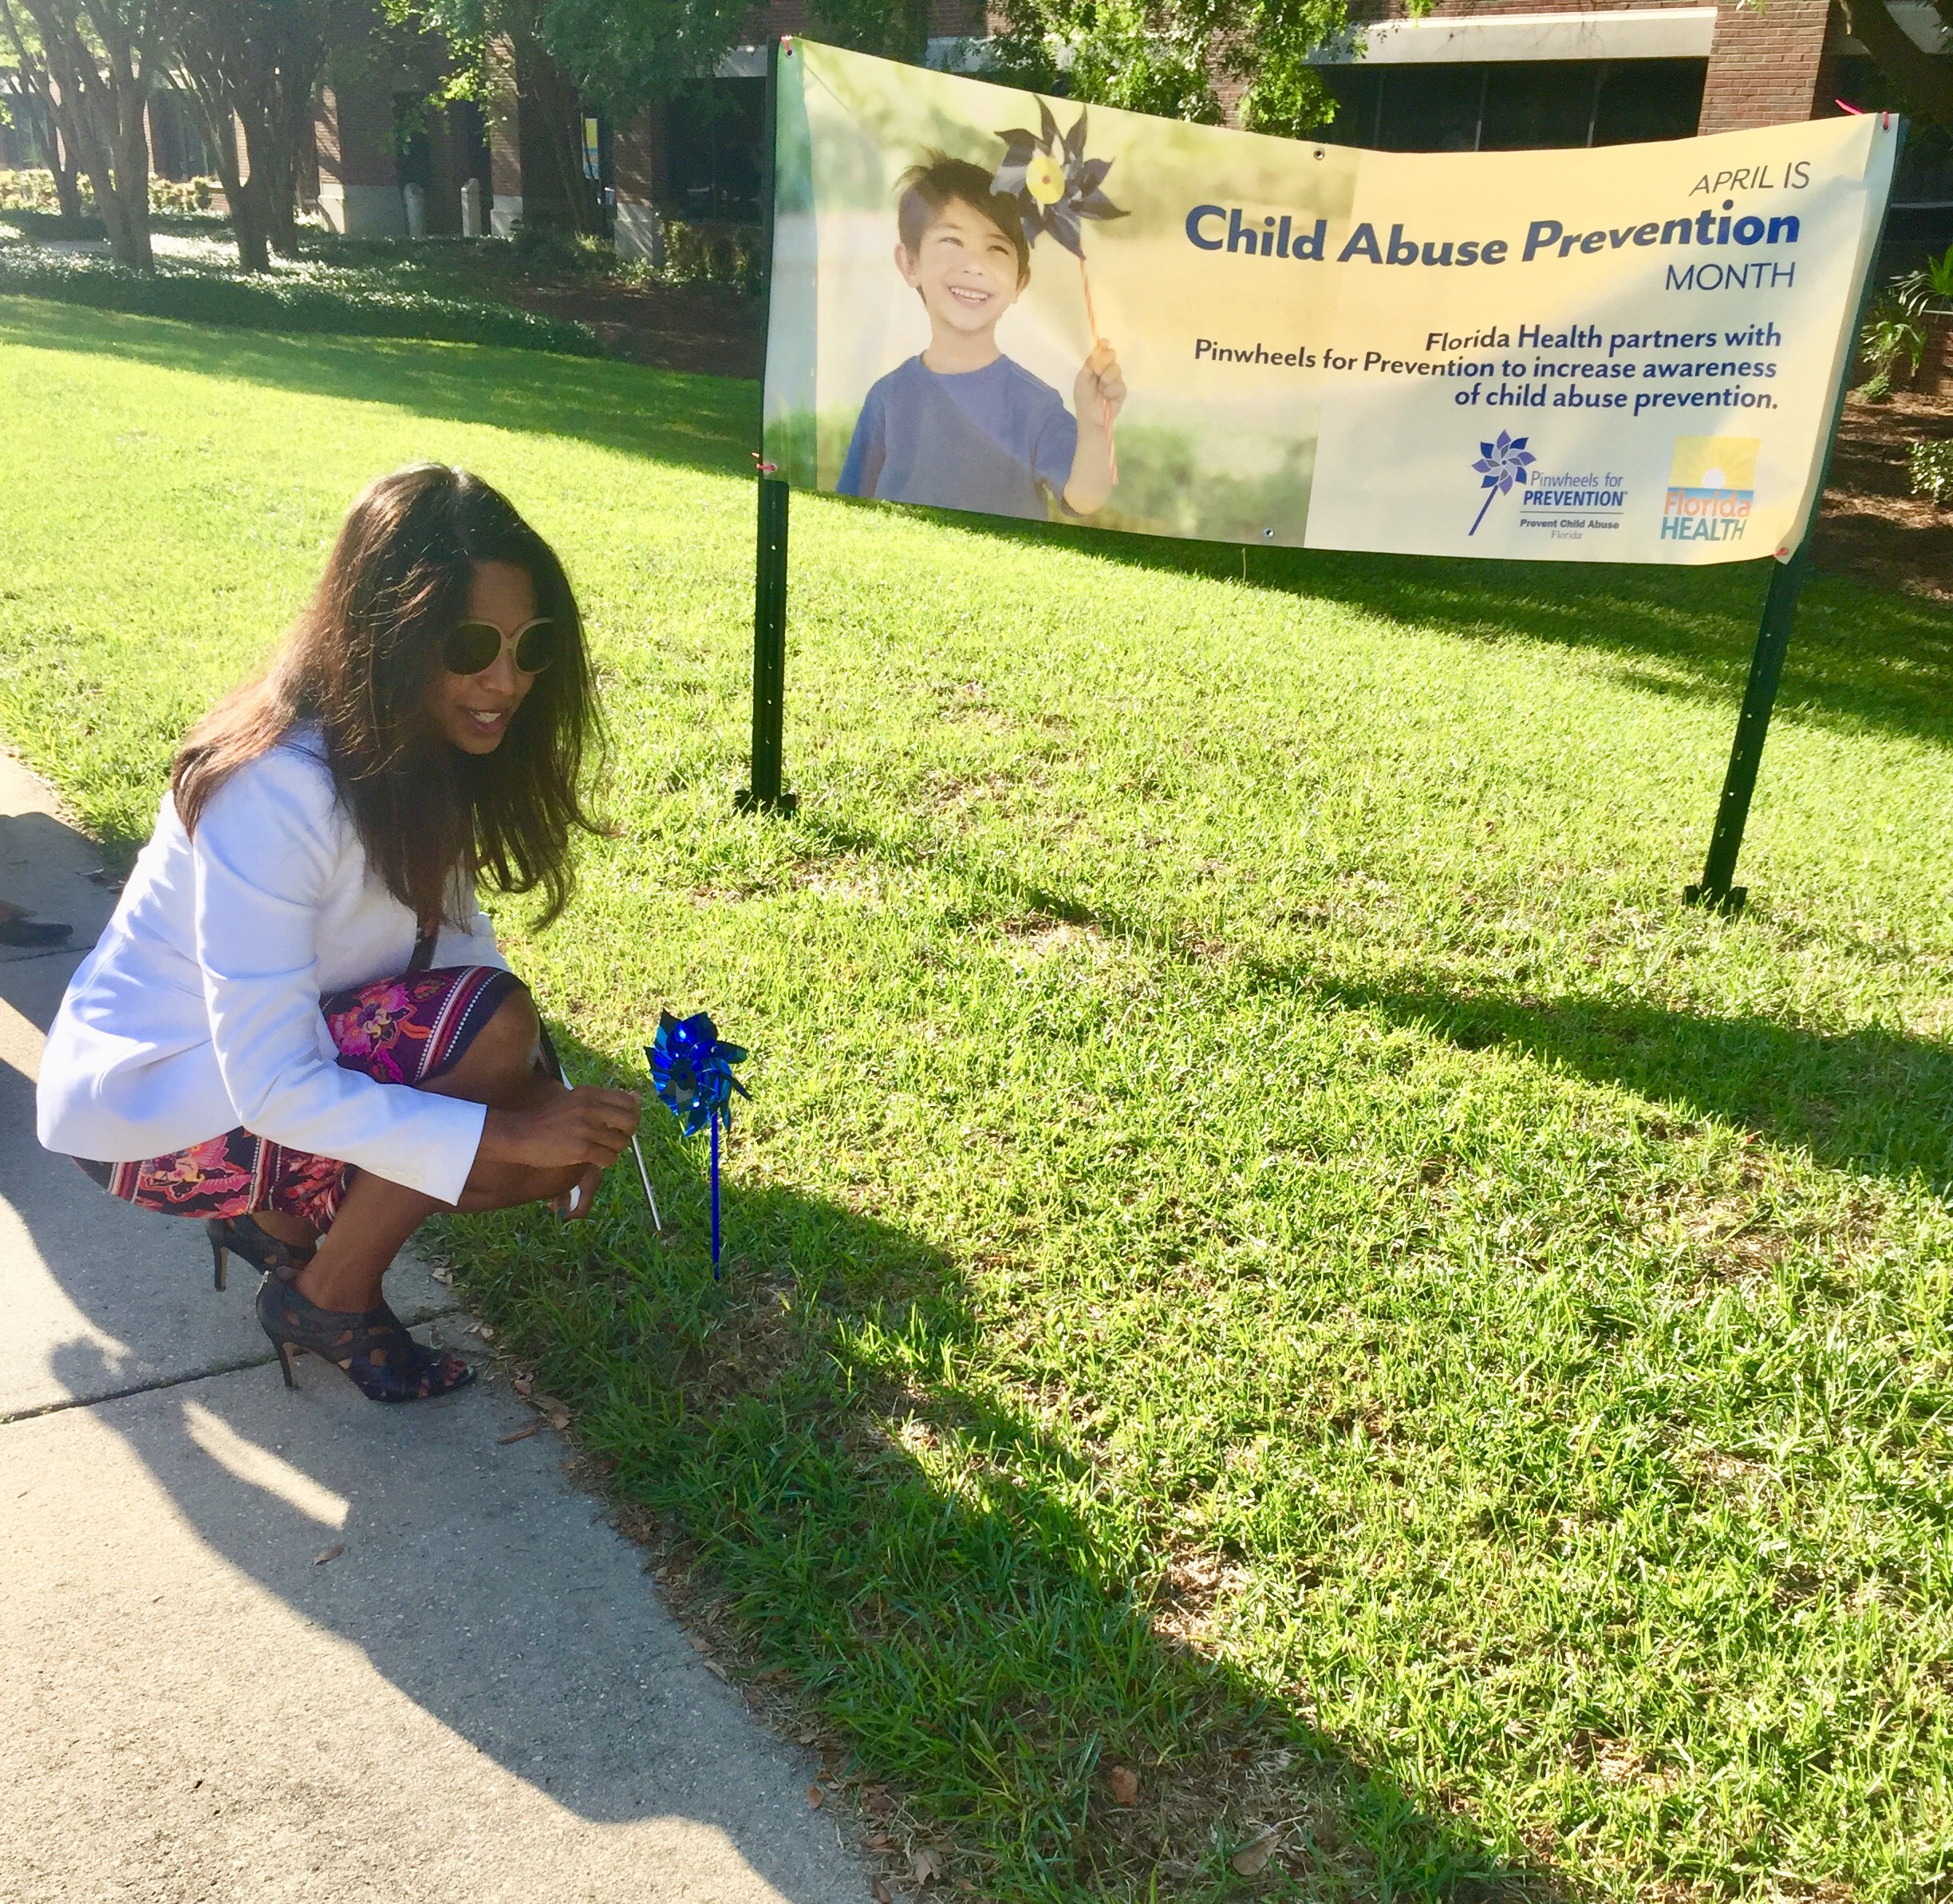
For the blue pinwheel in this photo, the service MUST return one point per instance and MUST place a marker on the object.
(691, 1072)
(1502, 464)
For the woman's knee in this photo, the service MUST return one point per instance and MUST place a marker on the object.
(501, 1054)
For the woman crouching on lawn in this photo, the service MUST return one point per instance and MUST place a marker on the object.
(297, 1026)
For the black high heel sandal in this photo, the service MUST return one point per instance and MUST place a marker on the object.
(371, 1346)
(256, 1245)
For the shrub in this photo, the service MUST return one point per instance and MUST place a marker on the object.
(711, 254)
(1931, 466)
(269, 304)
(180, 196)
(1931, 283)
(1892, 334)
(33, 190)
(547, 251)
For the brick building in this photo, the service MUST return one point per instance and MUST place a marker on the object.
(1484, 75)
(1473, 75)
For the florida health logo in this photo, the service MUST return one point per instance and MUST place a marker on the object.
(1502, 464)
(1711, 488)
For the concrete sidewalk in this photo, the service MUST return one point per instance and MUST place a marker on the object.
(478, 1697)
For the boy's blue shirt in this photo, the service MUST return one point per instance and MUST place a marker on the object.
(996, 440)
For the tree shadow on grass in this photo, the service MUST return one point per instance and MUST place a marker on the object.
(1870, 1101)
(915, 1552)
(1873, 1101)
(706, 423)
(1860, 657)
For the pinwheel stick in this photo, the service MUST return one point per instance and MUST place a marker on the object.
(1092, 324)
(692, 1067)
(715, 1194)
(643, 1176)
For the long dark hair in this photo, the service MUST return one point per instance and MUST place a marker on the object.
(360, 660)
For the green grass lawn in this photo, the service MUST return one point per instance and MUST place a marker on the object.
(1270, 1253)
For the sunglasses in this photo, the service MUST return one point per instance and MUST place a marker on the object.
(473, 646)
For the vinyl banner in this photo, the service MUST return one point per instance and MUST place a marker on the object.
(1628, 353)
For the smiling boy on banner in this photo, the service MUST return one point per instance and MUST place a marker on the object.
(961, 425)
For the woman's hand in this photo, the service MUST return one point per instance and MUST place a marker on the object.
(588, 1127)
(576, 1201)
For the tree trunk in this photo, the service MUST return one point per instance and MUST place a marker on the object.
(278, 163)
(213, 87)
(106, 99)
(56, 125)
(553, 120)
(252, 66)
(247, 198)
(130, 98)
(219, 66)
(61, 164)
(288, 128)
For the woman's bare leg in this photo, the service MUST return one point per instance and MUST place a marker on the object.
(376, 1217)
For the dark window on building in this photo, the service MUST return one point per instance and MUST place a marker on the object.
(1424, 109)
(1513, 105)
(712, 133)
(413, 149)
(1532, 103)
(177, 142)
(1638, 100)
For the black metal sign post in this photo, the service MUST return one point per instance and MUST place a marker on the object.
(767, 793)
(1746, 752)
(1715, 888)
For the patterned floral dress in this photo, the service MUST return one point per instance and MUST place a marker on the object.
(406, 1030)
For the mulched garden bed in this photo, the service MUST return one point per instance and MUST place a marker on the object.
(707, 328)
(1873, 528)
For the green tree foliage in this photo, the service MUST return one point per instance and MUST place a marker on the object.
(1173, 57)
(1117, 52)
(621, 55)
(624, 54)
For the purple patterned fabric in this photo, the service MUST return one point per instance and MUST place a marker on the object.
(406, 1030)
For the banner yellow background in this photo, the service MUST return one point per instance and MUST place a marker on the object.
(1376, 396)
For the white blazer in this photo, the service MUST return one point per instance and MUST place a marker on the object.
(198, 1009)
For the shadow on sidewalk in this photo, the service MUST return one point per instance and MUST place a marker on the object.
(471, 1579)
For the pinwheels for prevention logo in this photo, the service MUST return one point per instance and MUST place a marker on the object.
(1502, 464)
